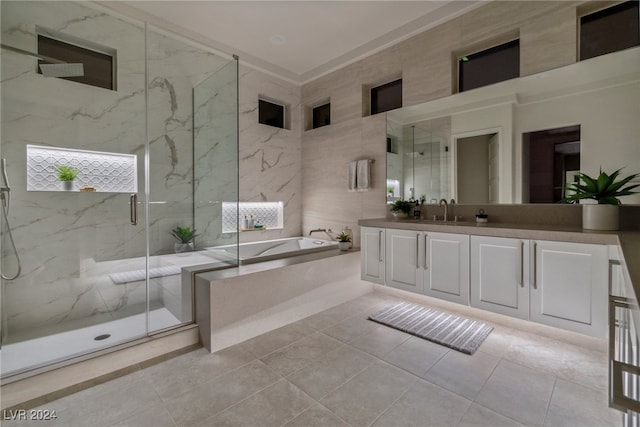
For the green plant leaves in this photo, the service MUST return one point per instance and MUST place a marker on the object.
(66, 173)
(402, 206)
(184, 234)
(605, 189)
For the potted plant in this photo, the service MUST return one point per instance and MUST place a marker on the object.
(185, 236)
(67, 174)
(344, 241)
(605, 190)
(401, 208)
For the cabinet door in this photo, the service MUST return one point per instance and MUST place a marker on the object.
(499, 275)
(569, 286)
(403, 269)
(372, 248)
(446, 266)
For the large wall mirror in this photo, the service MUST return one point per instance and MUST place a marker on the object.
(519, 141)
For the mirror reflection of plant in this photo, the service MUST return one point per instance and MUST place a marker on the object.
(401, 206)
(604, 189)
(184, 234)
(66, 173)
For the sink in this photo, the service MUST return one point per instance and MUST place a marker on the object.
(441, 222)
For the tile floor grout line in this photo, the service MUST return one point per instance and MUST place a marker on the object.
(338, 416)
(204, 382)
(416, 379)
(486, 381)
(553, 390)
(349, 378)
(244, 399)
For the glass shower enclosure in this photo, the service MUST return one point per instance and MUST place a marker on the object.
(92, 263)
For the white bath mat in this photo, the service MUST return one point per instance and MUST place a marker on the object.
(137, 275)
(455, 332)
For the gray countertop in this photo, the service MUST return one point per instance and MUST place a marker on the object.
(628, 241)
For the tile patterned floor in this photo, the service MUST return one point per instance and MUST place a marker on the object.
(338, 369)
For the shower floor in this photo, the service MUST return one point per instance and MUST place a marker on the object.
(56, 347)
(90, 297)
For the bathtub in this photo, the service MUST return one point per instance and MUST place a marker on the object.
(270, 249)
(240, 303)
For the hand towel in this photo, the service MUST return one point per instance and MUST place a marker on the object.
(353, 166)
(363, 175)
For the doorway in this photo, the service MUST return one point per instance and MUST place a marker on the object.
(551, 161)
(477, 168)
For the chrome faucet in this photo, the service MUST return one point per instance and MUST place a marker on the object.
(446, 208)
(317, 230)
(321, 230)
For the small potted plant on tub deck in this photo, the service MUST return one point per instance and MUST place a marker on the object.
(344, 241)
(605, 190)
(67, 174)
(401, 208)
(185, 236)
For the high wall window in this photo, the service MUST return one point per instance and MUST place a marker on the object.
(489, 66)
(610, 30)
(86, 62)
(321, 115)
(386, 97)
(271, 113)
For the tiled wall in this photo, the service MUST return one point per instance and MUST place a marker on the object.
(63, 237)
(270, 157)
(104, 172)
(547, 31)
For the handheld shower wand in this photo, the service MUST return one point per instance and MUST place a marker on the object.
(5, 199)
(5, 188)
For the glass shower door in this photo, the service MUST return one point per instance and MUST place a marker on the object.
(193, 167)
(82, 249)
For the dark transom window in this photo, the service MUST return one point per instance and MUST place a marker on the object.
(610, 30)
(270, 113)
(386, 97)
(321, 116)
(489, 66)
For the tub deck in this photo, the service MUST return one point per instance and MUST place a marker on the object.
(236, 304)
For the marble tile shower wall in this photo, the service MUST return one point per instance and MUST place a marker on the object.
(547, 40)
(64, 238)
(61, 235)
(176, 71)
(270, 158)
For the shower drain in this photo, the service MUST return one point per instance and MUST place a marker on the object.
(102, 337)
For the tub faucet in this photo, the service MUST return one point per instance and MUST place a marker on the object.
(322, 230)
(317, 230)
(446, 208)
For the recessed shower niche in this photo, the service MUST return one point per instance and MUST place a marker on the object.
(105, 172)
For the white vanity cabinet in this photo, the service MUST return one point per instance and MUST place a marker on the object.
(446, 266)
(372, 254)
(559, 284)
(500, 275)
(403, 260)
(569, 286)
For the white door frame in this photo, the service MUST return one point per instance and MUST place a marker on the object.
(454, 155)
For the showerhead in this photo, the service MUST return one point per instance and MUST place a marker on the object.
(54, 68)
(62, 70)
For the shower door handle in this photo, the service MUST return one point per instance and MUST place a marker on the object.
(133, 210)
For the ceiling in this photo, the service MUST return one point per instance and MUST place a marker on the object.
(301, 40)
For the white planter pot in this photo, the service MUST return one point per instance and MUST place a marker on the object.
(344, 246)
(399, 214)
(600, 217)
(67, 185)
(183, 248)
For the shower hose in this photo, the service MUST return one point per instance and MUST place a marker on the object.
(5, 214)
